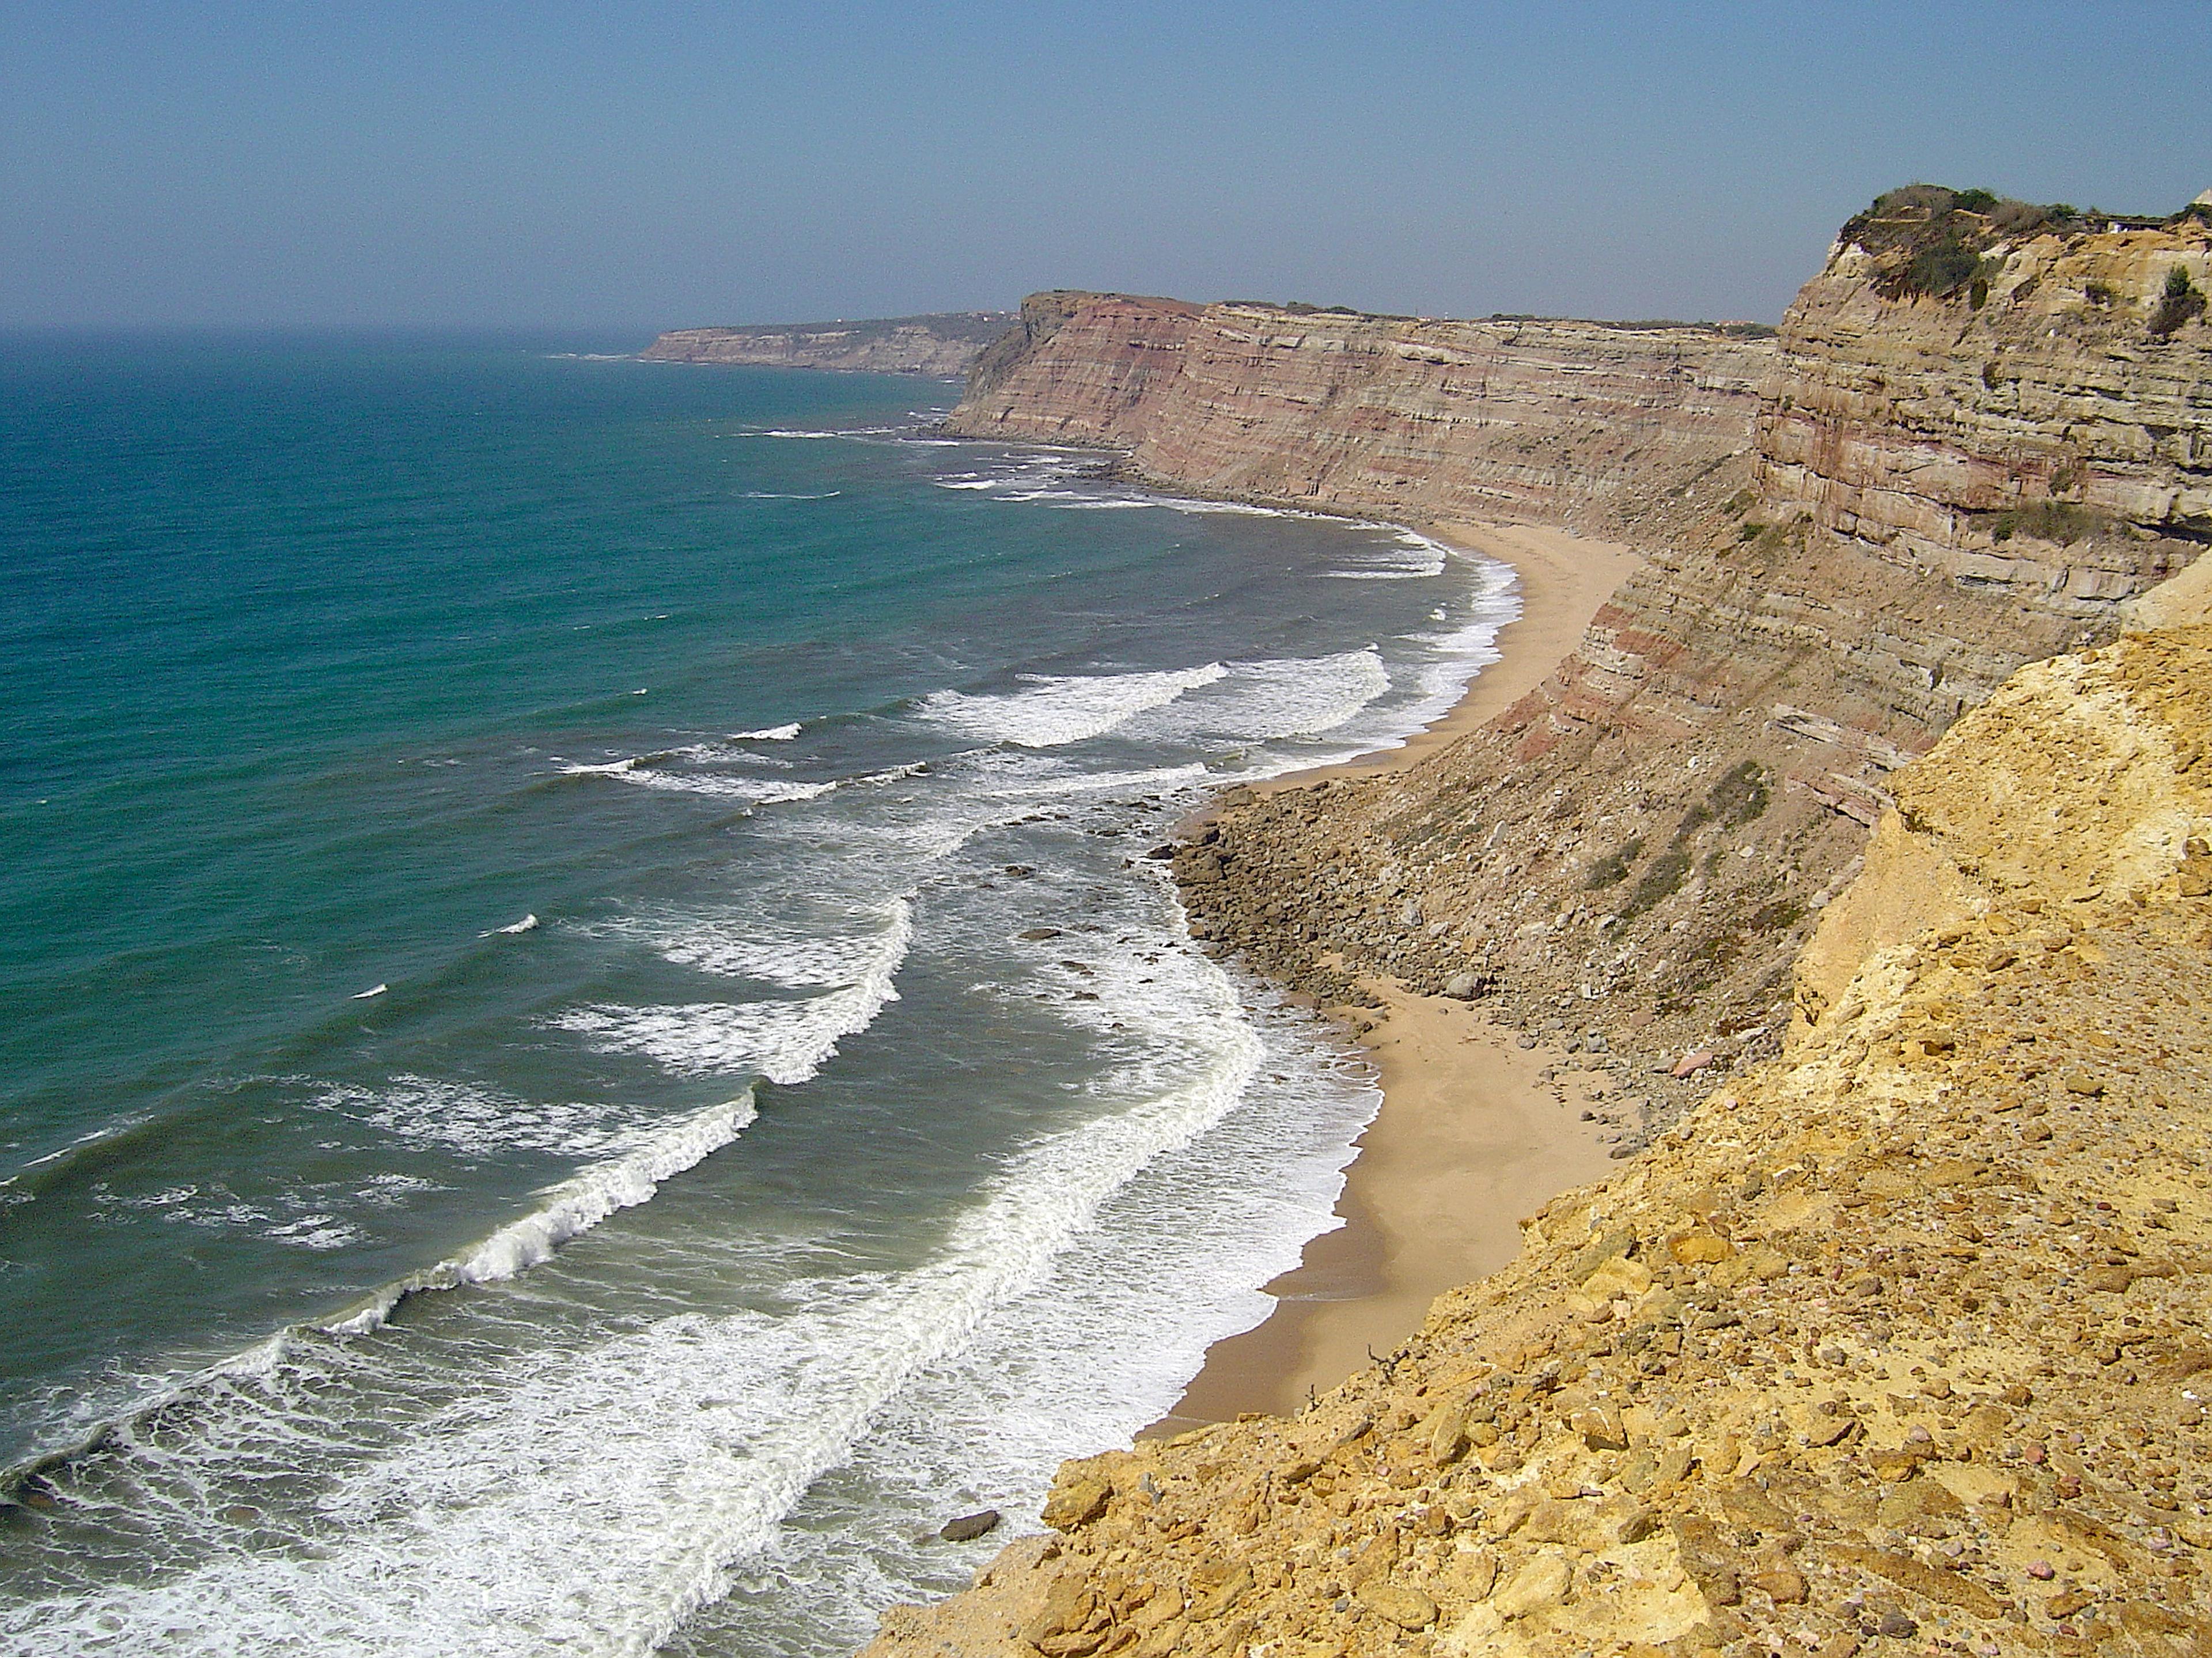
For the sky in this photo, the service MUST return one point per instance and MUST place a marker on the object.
(653, 164)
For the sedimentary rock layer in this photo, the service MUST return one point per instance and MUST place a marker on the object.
(2039, 433)
(1508, 417)
(944, 345)
(1899, 1338)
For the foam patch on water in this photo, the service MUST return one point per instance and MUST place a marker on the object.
(1408, 556)
(785, 1040)
(701, 770)
(422, 1113)
(1057, 709)
(1294, 697)
(743, 947)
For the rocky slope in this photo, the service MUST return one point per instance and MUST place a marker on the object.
(1899, 1340)
(945, 345)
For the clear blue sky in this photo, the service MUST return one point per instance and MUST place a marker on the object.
(641, 165)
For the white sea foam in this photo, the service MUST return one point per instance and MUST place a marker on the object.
(1409, 557)
(1298, 696)
(780, 495)
(785, 1040)
(1056, 709)
(590, 1499)
(527, 924)
(753, 791)
(768, 734)
(422, 1113)
(741, 947)
(697, 775)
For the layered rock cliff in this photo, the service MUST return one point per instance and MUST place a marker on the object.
(2043, 430)
(1637, 849)
(944, 345)
(1510, 417)
(1898, 1339)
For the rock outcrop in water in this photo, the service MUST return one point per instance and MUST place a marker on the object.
(1897, 1340)
(945, 345)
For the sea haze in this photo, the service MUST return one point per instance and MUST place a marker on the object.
(587, 1045)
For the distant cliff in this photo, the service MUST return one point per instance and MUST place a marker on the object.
(1508, 417)
(945, 345)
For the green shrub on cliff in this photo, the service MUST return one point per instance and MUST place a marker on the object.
(1942, 269)
(2179, 304)
(2062, 523)
(1667, 872)
(1930, 241)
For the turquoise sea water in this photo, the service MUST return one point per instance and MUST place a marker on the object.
(582, 1052)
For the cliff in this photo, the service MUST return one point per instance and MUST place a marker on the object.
(2038, 430)
(945, 345)
(1637, 850)
(1510, 417)
(1901, 1335)
(1899, 1332)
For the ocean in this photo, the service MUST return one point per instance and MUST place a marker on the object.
(588, 1049)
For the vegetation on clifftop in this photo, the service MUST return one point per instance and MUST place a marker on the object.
(1928, 239)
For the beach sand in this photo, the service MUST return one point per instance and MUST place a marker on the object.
(1470, 1138)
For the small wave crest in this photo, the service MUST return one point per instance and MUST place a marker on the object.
(787, 1042)
(1291, 697)
(1055, 709)
(567, 1209)
(1409, 556)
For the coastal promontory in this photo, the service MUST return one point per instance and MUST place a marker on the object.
(944, 344)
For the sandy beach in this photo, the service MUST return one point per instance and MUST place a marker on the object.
(1471, 1138)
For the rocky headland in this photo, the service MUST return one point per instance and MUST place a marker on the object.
(1875, 797)
(944, 345)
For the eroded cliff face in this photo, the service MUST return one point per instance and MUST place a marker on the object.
(2042, 433)
(944, 345)
(1569, 422)
(1900, 1337)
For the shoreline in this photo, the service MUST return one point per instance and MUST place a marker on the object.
(1470, 1137)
